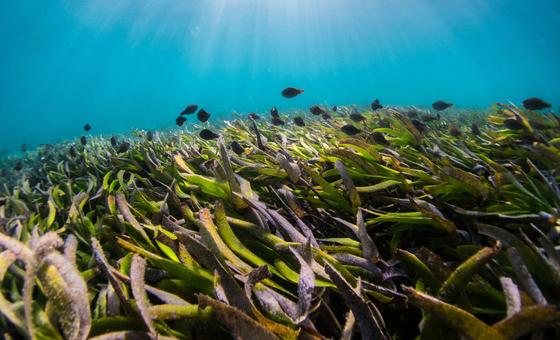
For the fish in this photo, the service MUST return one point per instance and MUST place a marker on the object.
(535, 104)
(357, 117)
(18, 166)
(87, 127)
(123, 147)
(202, 115)
(455, 131)
(379, 138)
(274, 113)
(277, 121)
(23, 147)
(83, 140)
(513, 124)
(72, 151)
(317, 110)
(291, 92)
(440, 105)
(334, 108)
(350, 129)
(113, 141)
(190, 109)
(207, 134)
(180, 120)
(236, 147)
(375, 105)
(326, 116)
(429, 118)
(419, 125)
(299, 121)
(412, 114)
(474, 129)
(253, 116)
(150, 136)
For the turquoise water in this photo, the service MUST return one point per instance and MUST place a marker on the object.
(123, 64)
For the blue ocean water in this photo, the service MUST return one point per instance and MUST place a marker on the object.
(123, 64)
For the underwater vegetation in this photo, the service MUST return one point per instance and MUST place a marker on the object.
(346, 223)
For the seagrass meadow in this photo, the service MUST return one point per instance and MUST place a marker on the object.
(405, 229)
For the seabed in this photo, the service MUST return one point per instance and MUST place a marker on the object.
(437, 229)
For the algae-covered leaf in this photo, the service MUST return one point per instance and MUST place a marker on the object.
(306, 284)
(67, 290)
(512, 295)
(369, 248)
(419, 268)
(527, 320)
(431, 211)
(371, 326)
(460, 320)
(137, 270)
(125, 211)
(101, 259)
(524, 276)
(539, 268)
(349, 184)
(238, 323)
(460, 277)
(212, 239)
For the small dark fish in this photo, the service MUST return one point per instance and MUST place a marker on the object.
(357, 117)
(72, 151)
(23, 147)
(299, 121)
(277, 121)
(326, 116)
(18, 166)
(429, 118)
(440, 105)
(83, 140)
(236, 147)
(317, 110)
(513, 124)
(379, 138)
(535, 104)
(375, 105)
(113, 141)
(350, 129)
(454, 131)
(412, 114)
(190, 109)
(474, 129)
(180, 120)
(334, 108)
(150, 136)
(254, 116)
(207, 134)
(123, 147)
(202, 115)
(274, 113)
(291, 92)
(419, 125)
(87, 127)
